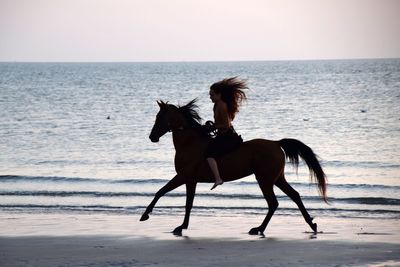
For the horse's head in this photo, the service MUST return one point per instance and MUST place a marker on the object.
(167, 119)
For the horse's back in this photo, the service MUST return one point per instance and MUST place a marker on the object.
(264, 150)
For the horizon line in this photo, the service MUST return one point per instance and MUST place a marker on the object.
(203, 61)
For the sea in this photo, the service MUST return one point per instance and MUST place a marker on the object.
(74, 136)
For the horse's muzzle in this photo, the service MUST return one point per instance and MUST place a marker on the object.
(154, 139)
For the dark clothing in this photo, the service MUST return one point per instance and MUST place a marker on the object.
(223, 144)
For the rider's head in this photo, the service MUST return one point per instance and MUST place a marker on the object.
(230, 91)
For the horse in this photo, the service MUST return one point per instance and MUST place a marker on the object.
(263, 158)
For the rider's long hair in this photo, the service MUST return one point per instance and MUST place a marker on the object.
(231, 90)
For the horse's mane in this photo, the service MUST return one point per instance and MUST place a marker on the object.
(189, 111)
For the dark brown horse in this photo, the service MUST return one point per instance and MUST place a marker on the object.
(264, 158)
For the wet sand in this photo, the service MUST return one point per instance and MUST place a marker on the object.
(121, 240)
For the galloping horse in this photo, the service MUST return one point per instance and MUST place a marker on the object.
(264, 158)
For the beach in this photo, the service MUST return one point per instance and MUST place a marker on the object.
(121, 240)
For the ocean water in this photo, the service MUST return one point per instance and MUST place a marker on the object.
(61, 154)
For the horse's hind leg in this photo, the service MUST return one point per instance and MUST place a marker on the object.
(282, 184)
(269, 195)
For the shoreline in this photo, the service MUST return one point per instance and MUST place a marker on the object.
(121, 240)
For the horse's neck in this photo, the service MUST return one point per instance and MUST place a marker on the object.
(188, 139)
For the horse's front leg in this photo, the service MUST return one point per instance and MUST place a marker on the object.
(190, 192)
(171, 185)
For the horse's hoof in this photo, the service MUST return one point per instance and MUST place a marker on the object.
(177, 231)
(144, 217)
(314, 227)
(255, 231)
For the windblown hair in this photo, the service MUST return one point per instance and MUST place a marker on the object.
(189, 111)
(231, 90)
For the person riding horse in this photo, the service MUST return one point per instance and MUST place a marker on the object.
(263, 158)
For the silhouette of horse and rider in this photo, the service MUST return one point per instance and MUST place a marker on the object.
(263, 158)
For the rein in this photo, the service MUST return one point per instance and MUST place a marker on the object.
(209, 125)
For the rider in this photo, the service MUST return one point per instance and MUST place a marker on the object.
(227, 96)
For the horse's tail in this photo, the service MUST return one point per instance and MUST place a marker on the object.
(293, 149)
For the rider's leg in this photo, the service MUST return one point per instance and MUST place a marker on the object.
(214, 168)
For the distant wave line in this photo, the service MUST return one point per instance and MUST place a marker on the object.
(332, 163)
(22, 178)
(364, 164)
(17, 178)
(355, 200)
(88, 162)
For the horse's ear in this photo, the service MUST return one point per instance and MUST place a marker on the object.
(160, 103)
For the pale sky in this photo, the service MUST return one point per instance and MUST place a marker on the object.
(198, 30)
